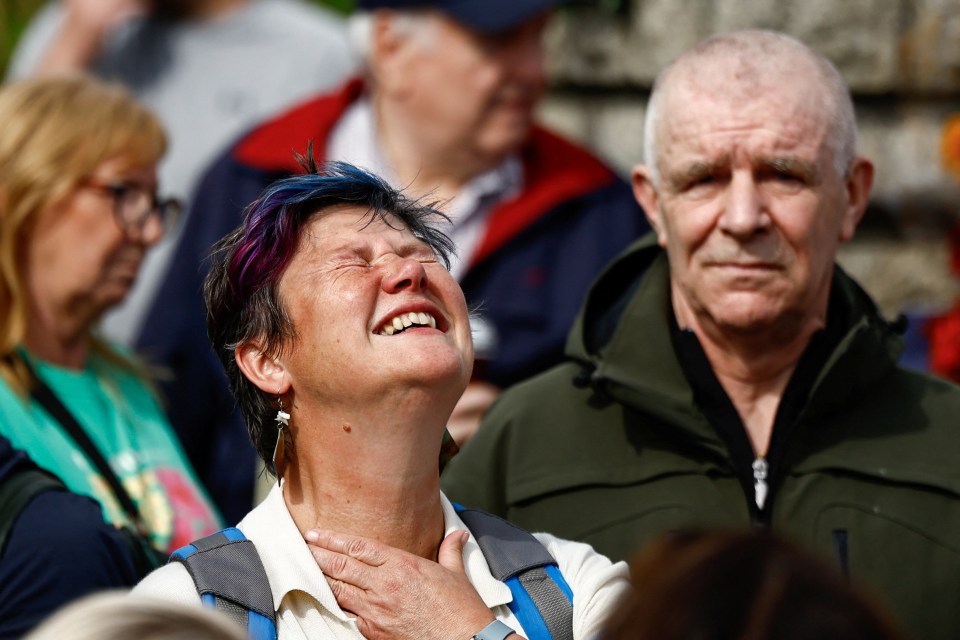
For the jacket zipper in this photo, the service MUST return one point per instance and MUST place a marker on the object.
(760, 487)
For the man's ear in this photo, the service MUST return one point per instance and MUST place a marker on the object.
(645, 192)
(262, 369)
(389, 49)
(858, 183)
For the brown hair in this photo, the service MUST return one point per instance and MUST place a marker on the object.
(741, 586)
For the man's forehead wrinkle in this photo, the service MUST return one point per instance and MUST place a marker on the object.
(790, 119)
(740, 73)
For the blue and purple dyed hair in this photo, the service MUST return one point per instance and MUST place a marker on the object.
(241, 290)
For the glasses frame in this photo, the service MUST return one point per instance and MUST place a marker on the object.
(167, 210)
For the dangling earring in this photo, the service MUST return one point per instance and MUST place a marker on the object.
(279, 449)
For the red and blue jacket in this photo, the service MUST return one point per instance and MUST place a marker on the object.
(541, 252)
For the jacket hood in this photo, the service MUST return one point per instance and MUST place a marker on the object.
(622, 342)
(621, 339)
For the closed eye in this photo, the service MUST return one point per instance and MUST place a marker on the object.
(349, 261)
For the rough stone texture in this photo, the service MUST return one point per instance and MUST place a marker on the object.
(612, 126)
(902, 275)
(881, 46)
(929, 47)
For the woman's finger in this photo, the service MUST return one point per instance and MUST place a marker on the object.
(363, 549)
(348, 596)
(342, 567)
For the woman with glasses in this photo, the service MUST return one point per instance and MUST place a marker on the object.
(78, 211)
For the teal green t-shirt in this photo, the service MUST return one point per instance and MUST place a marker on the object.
(123, 419)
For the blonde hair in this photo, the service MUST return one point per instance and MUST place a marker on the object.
(119, 616)
(56, 131)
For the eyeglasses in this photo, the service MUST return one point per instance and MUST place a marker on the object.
(133, 205)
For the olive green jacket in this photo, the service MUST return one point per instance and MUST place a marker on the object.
(611, 449)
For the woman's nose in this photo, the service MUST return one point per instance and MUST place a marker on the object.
(404, 273)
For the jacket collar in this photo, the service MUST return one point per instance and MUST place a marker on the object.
(634, 364)
(270, 146)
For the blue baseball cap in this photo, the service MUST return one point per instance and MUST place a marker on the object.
(483, 16)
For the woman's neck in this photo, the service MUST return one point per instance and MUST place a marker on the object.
(395, 510)
(60, 343)
(366, 478)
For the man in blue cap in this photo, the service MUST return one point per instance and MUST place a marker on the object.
(445, 109)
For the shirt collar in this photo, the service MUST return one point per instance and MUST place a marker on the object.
(493, 592)
(287, 560)
(290, 565)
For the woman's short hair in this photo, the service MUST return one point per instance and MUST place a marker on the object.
(120, 616)
(56, 131)
(241, 289)
(744, 585)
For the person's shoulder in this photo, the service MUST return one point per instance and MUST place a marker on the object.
(58, 549)
(597, 582)
(267, 147)
(45, 521)
(905, 424)
(298, 19)
(548, 153)
(530, 419)
(565, 551)
(545, 391)
(172, 582)
(940, 398)
(558, 171)
(934, 401)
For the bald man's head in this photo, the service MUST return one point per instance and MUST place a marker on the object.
(743, 68)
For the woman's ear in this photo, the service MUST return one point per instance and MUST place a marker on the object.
(262, 369)
(392, 51)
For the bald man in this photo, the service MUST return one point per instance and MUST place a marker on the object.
(725, 372)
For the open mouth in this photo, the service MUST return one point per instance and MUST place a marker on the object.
(404, 321)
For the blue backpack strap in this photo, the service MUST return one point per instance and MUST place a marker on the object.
(230, 577)
(542, 599)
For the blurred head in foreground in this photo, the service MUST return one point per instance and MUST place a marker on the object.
(741, 586)
(119, 616)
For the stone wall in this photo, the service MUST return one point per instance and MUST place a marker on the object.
(900, 57)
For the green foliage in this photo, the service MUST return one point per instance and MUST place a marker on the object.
(343, 6)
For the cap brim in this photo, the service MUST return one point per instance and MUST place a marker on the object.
(495, 16)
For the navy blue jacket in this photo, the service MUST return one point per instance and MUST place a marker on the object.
(540, 254)
(58, 549)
